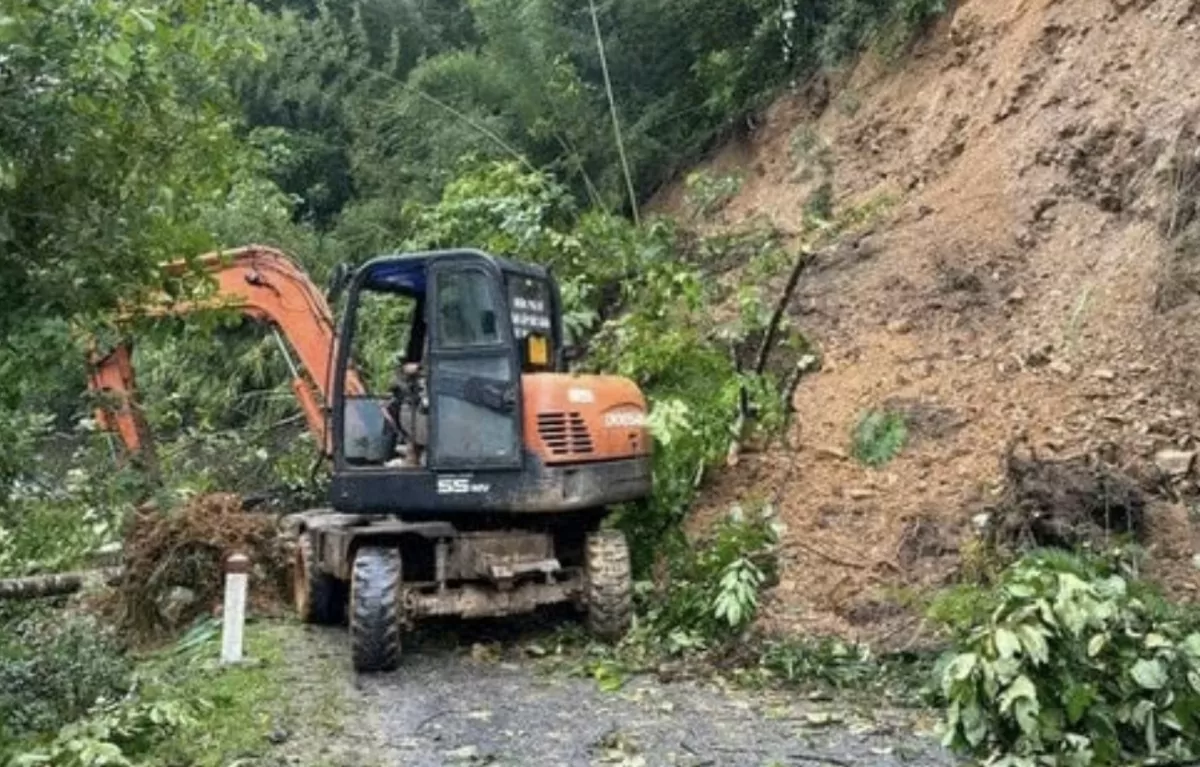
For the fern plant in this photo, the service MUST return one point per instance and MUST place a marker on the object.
(879, 437)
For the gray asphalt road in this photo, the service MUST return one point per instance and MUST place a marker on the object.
(450, 706)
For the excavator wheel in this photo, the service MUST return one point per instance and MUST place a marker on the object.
(375, 609)
(318, 596)
(609, 584)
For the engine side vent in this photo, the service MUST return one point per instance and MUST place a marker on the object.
(565, 433)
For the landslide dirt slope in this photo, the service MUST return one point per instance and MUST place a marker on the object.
(1028, 280)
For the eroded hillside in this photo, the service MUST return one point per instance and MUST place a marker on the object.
(1035, 275)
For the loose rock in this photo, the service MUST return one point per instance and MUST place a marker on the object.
(1062, 368)
(1175, 463)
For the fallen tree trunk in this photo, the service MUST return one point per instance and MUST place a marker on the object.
(58, 584)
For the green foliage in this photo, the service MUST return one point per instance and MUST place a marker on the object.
(117, 135)
(708, 194)
(54, 670)
(852, 25)
(879, 436)
(113, 735)
(819, 205)
(121, 150)
(737, 592)
(372, 104)
(219, 405)
(855, 669)
(669, 342)
(54, 519)
(22, 432)
(1076, 663)
(176, 707)
(711, 588)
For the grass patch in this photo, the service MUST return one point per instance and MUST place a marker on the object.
(236, 707)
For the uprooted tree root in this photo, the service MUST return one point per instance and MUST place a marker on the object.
(1064, 503)
(174, 562)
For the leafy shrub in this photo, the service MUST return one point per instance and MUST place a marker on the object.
(879, 437)
(711, 590)
(54, 671)
(668, 344)
(1076, 664)
(54, 518)
(113, 735)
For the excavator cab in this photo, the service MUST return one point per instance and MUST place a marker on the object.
(452, 433)
(454, 399)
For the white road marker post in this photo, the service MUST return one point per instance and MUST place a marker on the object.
(237, 576)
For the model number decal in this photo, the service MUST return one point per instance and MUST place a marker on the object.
(624, 419)
(581, 396)
(460, 485)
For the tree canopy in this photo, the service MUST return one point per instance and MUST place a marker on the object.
(119, 127)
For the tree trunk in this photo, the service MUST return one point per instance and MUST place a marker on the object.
(803, 259)
(57, 584)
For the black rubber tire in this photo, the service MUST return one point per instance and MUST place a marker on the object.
(319, 597)
(375, 609)
(609, 593)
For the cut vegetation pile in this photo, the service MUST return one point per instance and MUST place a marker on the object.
(174, 562)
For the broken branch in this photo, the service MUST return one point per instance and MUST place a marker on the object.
(58, 584)
(803, 259)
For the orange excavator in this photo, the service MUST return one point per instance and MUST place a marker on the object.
(474, 482)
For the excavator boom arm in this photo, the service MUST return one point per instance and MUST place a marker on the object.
(261, 283)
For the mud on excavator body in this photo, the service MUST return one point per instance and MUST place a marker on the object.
(475, 481)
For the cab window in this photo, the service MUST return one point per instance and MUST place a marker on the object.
(466, 310)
